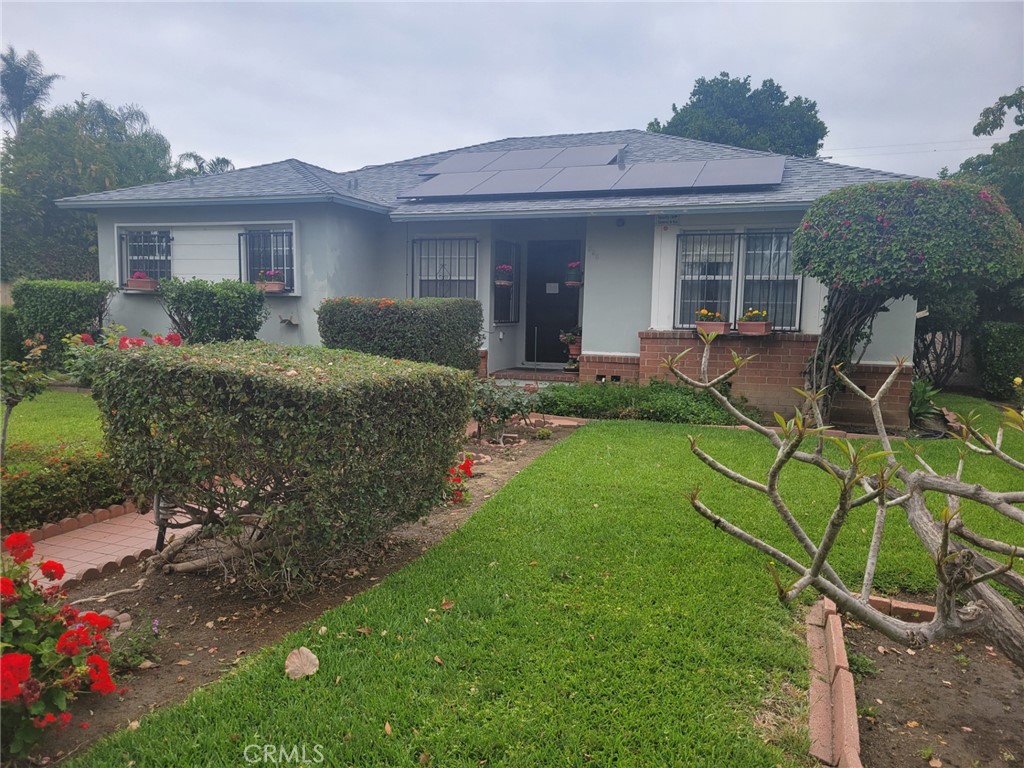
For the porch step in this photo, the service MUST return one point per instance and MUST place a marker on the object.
(540, 376)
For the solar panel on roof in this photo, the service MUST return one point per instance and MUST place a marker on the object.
(744, 172)
(590, 154)
(522, 159)
(591, 178)
(519, 182)
(674, 175)
(448, 184)
(464, 162)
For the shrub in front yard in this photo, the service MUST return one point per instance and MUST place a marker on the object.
(10, 334)
(51, 652)
(202, 311)
(58, 487)
(314, 448)
(657, 401)
(442, 331)
(56, 308)
(999, 348)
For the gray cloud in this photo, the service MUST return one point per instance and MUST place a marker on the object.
(342, 85)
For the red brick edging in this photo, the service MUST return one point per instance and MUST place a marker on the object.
(835, 734)
(68, 524)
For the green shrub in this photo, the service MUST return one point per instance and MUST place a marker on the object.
(325, 447)
(495, 406)
(657, 401)
(61, 487)
(10, 335)
(202, 311)
(56, 308)
(442, 331)
(999, 349)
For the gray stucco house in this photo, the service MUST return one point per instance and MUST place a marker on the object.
(662, 226)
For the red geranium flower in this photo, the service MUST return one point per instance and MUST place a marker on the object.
(87, 339)
(20, 546)
(174, 339)
(467, 467)
(10, 688)
(52, 570)
(96, 621)
(7, 589)
(17, 664)
(71, 641)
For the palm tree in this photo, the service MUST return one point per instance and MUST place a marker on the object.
(24, 85)
(194, 164)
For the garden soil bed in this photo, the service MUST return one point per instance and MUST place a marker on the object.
(206, 623)
(957, 704)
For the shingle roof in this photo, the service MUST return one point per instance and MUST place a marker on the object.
(378, 187)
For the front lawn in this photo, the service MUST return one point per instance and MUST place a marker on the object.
(55, 423)
(593, 617)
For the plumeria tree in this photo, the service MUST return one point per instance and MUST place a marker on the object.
(874, 243)
(967, 561)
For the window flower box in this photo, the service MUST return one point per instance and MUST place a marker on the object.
(270, 287)
(503, 275)
(712, 326)
(754, 327)
(143, 284)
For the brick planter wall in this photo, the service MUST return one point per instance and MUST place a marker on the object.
(592, 367)
(767, 381)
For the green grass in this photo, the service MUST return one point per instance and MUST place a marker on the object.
(595, 614)
(55, 423)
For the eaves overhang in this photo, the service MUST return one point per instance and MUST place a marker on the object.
(72, 203)
(663, 210)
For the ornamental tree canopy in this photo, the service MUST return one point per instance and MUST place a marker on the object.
(909, 237)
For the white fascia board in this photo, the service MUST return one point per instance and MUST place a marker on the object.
(590, 212)
(72, 203)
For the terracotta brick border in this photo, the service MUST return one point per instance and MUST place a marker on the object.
(835, 734)
(49, 530)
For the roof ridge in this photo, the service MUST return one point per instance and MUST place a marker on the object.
(306, 171)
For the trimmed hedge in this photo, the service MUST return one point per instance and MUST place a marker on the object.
(657, 401)
(11, 347)
(999, 349)
(442, 331)
(324, 447)
(56, 308)
(202, 311)
(63, 487)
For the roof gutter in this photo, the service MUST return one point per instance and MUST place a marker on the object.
(78, 203)
(668, 210)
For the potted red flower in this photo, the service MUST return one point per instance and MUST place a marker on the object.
(503, 275)
(754, 322)
(573, 340)
(711, 322)
(270, 281)
(574, 274)
(140, 281)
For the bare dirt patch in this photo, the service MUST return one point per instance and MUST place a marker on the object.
(198, 626)
(958, 704)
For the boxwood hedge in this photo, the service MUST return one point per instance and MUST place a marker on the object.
(56, 308)
(324, 447)
(442, 331)
(999, 349)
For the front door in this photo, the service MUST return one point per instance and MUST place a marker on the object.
(551, 307)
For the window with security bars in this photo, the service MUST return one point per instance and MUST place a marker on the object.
(506, 297)
(445, 268)
(263, 251)
(147, 251)
(729, 273)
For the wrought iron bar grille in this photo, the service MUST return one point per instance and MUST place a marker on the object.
(145, 251)
(730, 272)
(506, 298)
(263, 250)
(446, 267)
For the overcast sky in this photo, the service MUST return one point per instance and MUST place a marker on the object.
(343, 85)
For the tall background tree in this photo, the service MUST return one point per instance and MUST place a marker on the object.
(726, 110)
(73, 149)
(24, 85)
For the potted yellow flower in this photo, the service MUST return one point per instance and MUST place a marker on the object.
(711, 322)
(754, 322)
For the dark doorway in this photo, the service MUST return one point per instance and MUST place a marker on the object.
(551, 307)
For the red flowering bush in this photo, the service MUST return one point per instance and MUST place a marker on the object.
(51, 652)
(454, 490)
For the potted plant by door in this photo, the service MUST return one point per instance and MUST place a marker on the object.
(140, 281)
(574, 274)
(573, 340)
(754, 322)
(270, 280)
(711, 322)
(503, 275)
